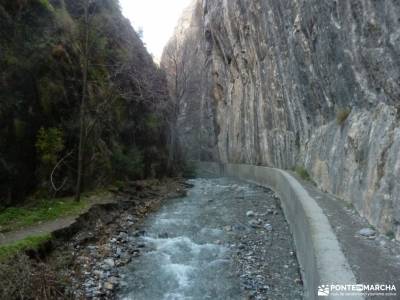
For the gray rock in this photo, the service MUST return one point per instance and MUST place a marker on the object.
(108, 286)
(255, 223)
(110, 262)
(98, 273)
(367, 232)
(268, 227)
(114, 280)
(238, 227)
(228, 228)
(250, 214)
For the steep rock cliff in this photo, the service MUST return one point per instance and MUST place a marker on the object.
(294, 82)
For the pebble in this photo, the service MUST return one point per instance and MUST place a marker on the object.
(367, 232)
(109, 286)
(110, 262)
(98, 273)
(255, 223)
(228, 228)
(262, 258)
(238, 227)
(250, 214)
(113, 280)
(268, 227)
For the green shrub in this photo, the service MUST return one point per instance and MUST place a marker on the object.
(303, 173)
(128, 165)
(342, 115)
(50, 92)
(45, 4)
(19, 128)
(152, 121)
(189, 169)
(390, 234)
(49, 144)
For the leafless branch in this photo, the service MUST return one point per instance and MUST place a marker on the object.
(54, 170)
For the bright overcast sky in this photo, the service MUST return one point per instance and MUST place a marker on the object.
(158, 19)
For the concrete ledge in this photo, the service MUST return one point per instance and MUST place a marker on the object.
(320, 256)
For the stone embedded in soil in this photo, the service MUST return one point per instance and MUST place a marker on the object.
(367, 232)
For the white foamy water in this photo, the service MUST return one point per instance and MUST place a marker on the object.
(186, 255)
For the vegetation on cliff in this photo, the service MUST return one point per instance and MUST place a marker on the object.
(45, 46)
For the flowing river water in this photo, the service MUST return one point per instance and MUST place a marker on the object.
(224, 240)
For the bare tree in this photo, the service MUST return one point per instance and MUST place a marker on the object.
(174, 64)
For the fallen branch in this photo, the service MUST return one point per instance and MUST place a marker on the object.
(55, 168)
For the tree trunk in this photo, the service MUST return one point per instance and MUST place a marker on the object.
(81, 148)
(171, 154)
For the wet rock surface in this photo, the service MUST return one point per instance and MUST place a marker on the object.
(225, 240)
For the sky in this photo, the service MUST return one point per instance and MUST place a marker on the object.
(157, 18)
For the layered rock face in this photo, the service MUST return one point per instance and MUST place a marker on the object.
(295, 82)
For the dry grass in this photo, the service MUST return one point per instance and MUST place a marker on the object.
(342, 115)
(23, 278)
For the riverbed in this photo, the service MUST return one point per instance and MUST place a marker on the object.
(224, 240)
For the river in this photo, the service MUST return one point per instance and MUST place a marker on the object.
(211, 245)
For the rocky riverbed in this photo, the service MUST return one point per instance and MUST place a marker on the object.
(106, 240)
(224, 240)
(213, 239)
(264, 253)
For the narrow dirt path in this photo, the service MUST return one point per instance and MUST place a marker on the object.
(49, 226)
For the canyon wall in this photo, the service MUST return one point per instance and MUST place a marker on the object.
(292, 82)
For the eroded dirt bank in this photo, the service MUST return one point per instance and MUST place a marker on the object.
(81, 261)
